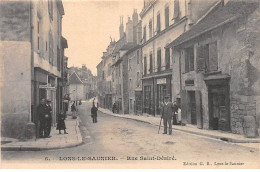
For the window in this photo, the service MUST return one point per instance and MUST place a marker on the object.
(38, 35)
(144, 37)
(58, 59)
(103, 75)
(189, 59)
(130, 84)
(109, 69)
(158, 23)
(50, 48)
(145, 65)
(137, 79)
(129, 64)
(176, 10)
(207, 58)
(50, 9)
(151, 63)
(167, 58)
(159, 60)
(150, 28)
(137, 57)
(113, 77)
(166, 17)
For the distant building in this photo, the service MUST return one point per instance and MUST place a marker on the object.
(77, 89)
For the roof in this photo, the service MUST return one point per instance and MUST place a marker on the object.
(64, 42)
(60, 7)
(74, 79)
(119, 44)
(127, 46)
(219, 16)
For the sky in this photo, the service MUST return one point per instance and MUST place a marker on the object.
(88, 25)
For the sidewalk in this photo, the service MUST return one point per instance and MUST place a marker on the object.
(217, 134)
(56, 141)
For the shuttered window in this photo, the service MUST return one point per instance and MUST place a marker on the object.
(151, 63)
(213, 57)
(189, 59)
(150, 28)
(145, 65)
(207, 57)
(158, 23)
(166, 17)
(176, 10)
(159, 60)
(167, 58)
(144, 36)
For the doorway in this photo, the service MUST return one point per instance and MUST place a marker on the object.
(219, 116)
(192, 107)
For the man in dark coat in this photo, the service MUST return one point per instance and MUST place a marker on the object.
(49, 119)
(94, 113)
(42, 111)
(168, 108)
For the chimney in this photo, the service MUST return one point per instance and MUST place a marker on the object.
(129, 31)
(121, 27)
(135, 25)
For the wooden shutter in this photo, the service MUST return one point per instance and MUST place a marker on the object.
(176, 9)
(199, 109)
(184, 106)
(200, 59)
(166, 17)
(213, 57)
(158, 23)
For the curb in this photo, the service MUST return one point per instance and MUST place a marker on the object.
(227, 139)
(33, 148)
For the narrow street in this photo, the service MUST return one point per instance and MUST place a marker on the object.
(128, 139)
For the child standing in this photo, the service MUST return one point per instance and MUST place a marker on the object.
(61, 123)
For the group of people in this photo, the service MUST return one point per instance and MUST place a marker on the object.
(44, 111)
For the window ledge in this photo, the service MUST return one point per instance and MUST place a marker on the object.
(212, 73)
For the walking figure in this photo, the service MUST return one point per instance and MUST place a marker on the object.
(74, 110)
(43, 113)
(61, 123)
(94, 110)
(168, 108)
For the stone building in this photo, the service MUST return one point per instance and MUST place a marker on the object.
(31, 63)
(162, 22)
(217, 69)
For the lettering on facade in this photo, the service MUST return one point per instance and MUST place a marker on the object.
(161, 81)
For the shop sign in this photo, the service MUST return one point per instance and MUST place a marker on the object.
(47, 87)
(161, 81)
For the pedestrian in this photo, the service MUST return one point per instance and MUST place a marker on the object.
(49, 119)
(114, 108)
(61, 123)
(42, 111)
(168, 108)
(74, 110)
(94, 110)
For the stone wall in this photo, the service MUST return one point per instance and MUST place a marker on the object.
(15, 88)
(240, 107)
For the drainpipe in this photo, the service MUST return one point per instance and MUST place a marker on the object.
(30, 132)
(180, 71)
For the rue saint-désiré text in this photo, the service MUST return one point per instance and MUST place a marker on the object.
(151, 158)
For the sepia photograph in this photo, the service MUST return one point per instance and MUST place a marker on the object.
(130, 84)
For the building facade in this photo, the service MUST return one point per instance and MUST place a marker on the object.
(217, 69)
(31, 31)
(163, 22)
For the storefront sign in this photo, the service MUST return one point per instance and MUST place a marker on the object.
(161, 81)
(47, 87)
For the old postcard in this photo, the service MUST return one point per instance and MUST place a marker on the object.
(150, 84)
